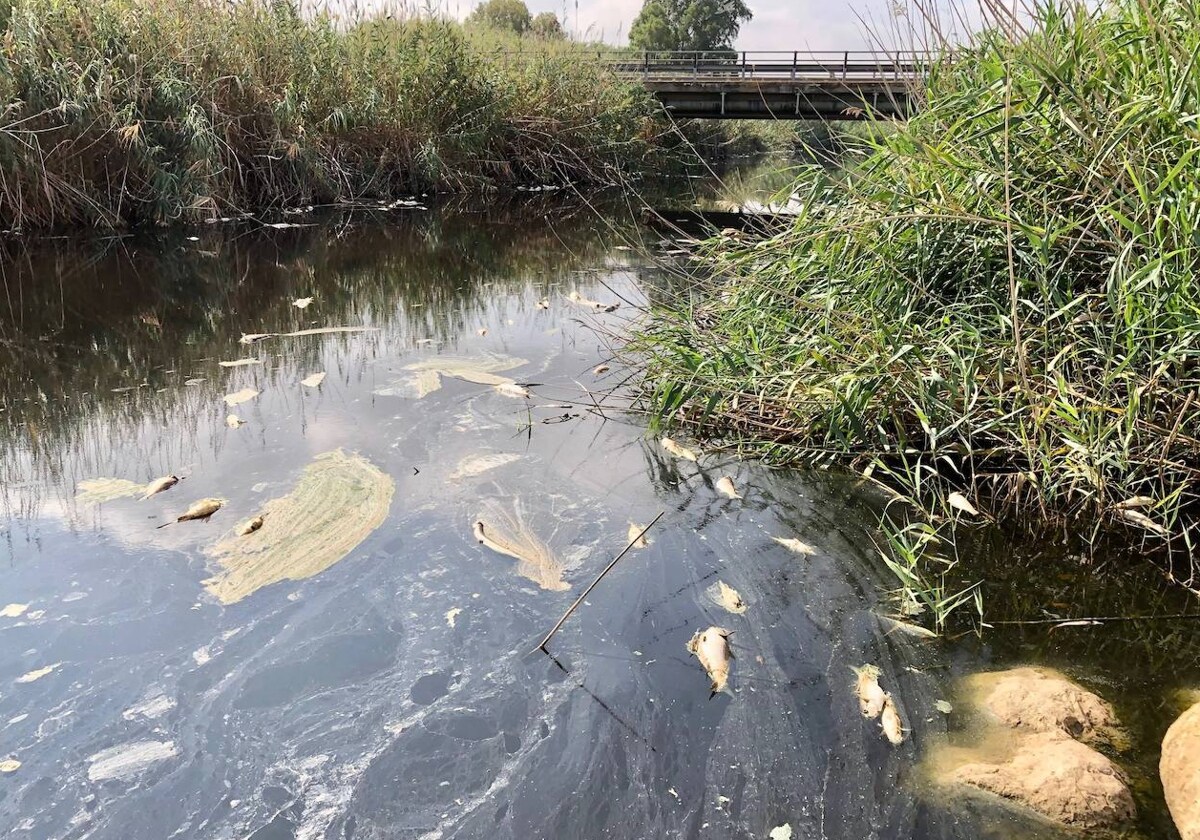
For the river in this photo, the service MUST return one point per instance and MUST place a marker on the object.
(377, 675)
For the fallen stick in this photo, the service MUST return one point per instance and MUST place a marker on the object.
(607, 569)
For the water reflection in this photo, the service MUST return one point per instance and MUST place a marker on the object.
(392, 693)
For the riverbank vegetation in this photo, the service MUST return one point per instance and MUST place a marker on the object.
(122, 113)
(996, 311)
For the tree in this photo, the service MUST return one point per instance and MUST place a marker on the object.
(508, 15)
(545, 25)
(705, 25)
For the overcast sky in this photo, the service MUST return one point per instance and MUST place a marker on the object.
(777, 24)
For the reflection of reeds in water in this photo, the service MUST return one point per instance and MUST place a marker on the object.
(137, 335)
(504, 529)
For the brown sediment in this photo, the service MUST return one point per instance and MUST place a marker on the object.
(505, 532)
(338, 501)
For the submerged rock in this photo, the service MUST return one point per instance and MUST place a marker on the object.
(1179, 769)
(1043, 700)
(1059, 778)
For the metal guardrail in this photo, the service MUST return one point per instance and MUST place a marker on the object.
(848, 65)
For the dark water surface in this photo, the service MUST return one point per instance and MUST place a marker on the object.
(393, 694)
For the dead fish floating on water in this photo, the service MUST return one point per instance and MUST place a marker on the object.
(793, 544)
(159, 485)
(889, 721)
(594, 305)
(677, 450)
(635, 536)
(512, 389)
(250, 526)
(200, 510)
(725, 487)
(600, 370)
(254, 338)
(543, 304)
(302, 303)
(233, 421)
(711, 647)
(871, 698)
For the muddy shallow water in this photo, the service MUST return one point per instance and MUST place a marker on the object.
(387, 687)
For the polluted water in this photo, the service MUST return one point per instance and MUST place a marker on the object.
(348, 647)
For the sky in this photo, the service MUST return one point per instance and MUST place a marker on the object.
(777, 24)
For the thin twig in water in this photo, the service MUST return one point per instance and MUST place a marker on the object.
(607, 569)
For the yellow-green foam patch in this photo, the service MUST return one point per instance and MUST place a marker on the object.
(339, 500)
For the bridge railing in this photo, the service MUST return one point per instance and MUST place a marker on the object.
(771, 65)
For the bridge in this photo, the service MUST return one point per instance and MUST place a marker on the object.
(779, 85)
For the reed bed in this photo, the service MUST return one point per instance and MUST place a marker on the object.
(121, 112)
(998, 302)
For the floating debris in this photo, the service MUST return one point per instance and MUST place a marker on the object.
(632, 536)
(871, 698)
(725, 487)
(600, 370)
(239, 397)
(126, 760)
(337, 503)
(97, 490)
(474, 465)
(480, 370)
(726, 597)
(199, 511)
(958, 501)
(240, 363)
(9, 765)
(250, 526)
(254, 338)
(329, 331)
(506, 533)
(233, 421)
(452, 615)
(302, 303)
(889, 721)
(711, 647)
(677, 450)
(159, 485)
(38, 674)
(795, 545)
(313, 381)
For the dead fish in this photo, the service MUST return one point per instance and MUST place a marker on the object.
(635, 536)
(600, 370)
(711, 647)
(725, 487)
(200, 510)
(158, 485)
(250, 526)
(254, 338)
(512, 389)
(1140, 519)
(482, 331)
(314, 380)
(871, 698)
(233, 421)
(9, 765)
(959, 502)
(677, 450)
(907, 628)
(543, 304)
(579, 299)
(302, 303)
(793, 544)
(889, 721)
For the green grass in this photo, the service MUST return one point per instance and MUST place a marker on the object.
(1000, 299)
(123, 112)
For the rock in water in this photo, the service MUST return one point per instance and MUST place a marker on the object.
(1179, 769)
(1043, 700)
(1061, 779)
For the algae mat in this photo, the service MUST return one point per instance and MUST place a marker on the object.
(339, 500)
